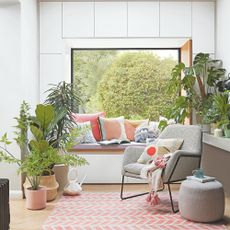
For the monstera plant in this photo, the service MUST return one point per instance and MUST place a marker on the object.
(195, 86)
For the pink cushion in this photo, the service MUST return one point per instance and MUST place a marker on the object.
(93, 118)
(112, 128)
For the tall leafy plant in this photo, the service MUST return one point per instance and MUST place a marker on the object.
(196, 85)
(41, 155)
(65, 101)
(23, 122)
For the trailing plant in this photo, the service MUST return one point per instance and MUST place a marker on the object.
(65, 100)
(196, 85)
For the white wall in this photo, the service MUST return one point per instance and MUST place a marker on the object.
(93, 22)
(223, 32)
(10, 90)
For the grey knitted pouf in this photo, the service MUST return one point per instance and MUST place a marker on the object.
(201, 202)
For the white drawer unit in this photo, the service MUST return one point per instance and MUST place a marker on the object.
(103, 168)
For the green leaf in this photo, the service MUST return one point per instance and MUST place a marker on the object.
(36, 132)
(201, 58)
(45, 115)
(39, 146)
(4, 139)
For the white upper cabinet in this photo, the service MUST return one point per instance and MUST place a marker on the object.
(203, 29)
(111, 19)
(175, 19)
(143, 19)
(51, 71)
(78, 19)
(51, 27)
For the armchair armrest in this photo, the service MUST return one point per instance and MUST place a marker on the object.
(180, 165)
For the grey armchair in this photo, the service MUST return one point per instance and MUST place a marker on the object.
(180, 165)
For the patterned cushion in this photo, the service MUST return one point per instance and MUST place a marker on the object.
(162, 146)
(112, 128)
(141, 132)
(86, 135)
(93, 118)
(147, 131)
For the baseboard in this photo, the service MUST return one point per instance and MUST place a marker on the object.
(15, 194)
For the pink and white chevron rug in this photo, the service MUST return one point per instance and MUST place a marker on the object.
(105, 211)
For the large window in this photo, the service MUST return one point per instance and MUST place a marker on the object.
(128, 82)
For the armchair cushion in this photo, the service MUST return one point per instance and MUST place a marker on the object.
(134, 168)
(131, 154)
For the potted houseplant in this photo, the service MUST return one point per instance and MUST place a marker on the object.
(65, 101)
(199, 83)
(222, 108)
(41, 126)
(40, 153)
(226, 127)
(36, 195)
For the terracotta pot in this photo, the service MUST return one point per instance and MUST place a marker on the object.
(35, 199)
(50, 183)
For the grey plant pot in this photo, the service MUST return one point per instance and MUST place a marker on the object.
(227, 133)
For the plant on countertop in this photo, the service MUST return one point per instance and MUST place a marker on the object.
(222, 107)
(65, 100)
(41, 155)
(199, 83)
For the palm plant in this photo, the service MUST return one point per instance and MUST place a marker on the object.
(65, 101)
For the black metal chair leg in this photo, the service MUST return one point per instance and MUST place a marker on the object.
(171, 200)
(128, 197)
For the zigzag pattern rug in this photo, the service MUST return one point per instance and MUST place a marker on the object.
(105, 211)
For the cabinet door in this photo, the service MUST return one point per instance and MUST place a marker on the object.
(203, 27)
(143, 19)
(78, 19)
(50, 27)
(51, 71)
(111, 19)
(175, 19)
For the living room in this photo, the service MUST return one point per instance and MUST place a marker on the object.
(78, 76)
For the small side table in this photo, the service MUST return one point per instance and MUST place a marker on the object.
(201, 202)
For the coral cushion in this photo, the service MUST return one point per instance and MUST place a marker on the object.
(130, 127)
(93, 118)
(112, 128)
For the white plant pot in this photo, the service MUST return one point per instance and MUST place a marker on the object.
(218, 133)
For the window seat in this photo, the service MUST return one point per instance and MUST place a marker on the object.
(97, 148)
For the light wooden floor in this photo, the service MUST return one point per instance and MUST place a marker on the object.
(23, 219)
